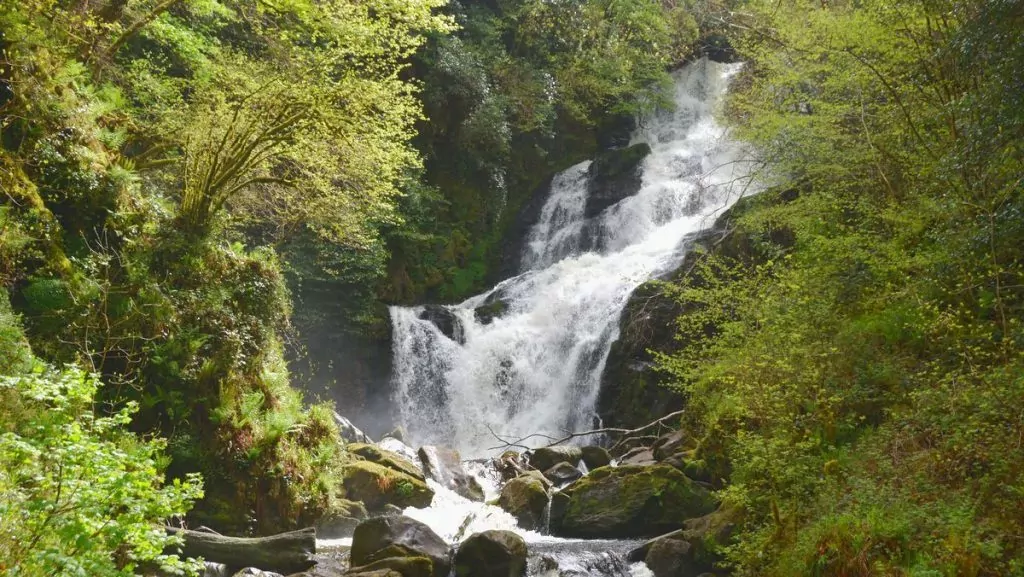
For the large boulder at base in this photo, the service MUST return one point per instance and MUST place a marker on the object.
(445, 320)
(525, 498)
(445, 466)
(386, 458)
(404, 566)
(632, 501)
(595, 457)
(692, 550)
(562, 474)
(376, 486)
(547, 457)
(491, 554)
(390, 537)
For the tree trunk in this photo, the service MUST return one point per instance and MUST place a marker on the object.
(285, 553)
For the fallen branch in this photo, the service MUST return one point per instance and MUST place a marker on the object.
(603, 431)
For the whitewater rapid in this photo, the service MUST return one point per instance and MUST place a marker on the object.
(537, 367)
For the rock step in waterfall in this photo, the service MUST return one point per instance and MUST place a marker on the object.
(526, 357)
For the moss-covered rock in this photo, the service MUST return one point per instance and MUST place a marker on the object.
(526, 498)
(692, 550)
(343, 521)
(385, 458)
(632, 501)
(399, 537)
(491, 554)
(595, 457)
(376, 486)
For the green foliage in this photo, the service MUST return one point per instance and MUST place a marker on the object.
(78, 494)
(863, 378)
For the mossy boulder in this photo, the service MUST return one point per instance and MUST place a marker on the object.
(399, 537)
(595, 457)
(376, 486)
(562, 474)
(692, 550)
(491, 554)
(385, 458)
(347, 516)
(631, 501)
(544, 458)
(526, 498)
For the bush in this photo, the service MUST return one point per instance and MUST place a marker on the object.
(78, 494)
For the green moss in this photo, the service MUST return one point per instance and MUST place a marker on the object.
(376, 486)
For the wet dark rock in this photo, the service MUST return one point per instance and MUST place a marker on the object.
(404, 566)
(631, 501)
(526, 499)
(398, 537)
(445, 466)
(491, 554)
(595, 457)
(544, 458)
(562, 474)
(445, 320)
(614, 175)
(494, 306)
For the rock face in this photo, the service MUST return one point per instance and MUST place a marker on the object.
(630, 501)
(562, 474)
(494, 306)
(376, 486)
(445, 320)
(378, 540)
(445, 466)
(491, 554)
(670, 444)
(614, 175)
(595, 457)
(545, 458)
(526, 499)
(692, 550)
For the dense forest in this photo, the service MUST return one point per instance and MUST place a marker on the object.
(203, 200)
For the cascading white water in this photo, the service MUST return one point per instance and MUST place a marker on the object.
(537, 367)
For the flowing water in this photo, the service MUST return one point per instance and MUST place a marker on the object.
(536, 369)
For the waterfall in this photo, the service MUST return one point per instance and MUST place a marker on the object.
(536, 367)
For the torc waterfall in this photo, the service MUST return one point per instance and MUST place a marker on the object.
(536, 367)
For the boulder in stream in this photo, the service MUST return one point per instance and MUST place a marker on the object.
(445, 466)
(491, 554)
(377, 540)
(595, 457)
(630, 501)
(546, 457)
(614, 175)
(526, 498)
(343, 522)
(390, 459)
(376, 486)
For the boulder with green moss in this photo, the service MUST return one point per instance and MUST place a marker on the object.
(526, 498)
(377, 542)
(631, 501)
(385, 458)
(692, 550)
(544, 458)
(376, 486)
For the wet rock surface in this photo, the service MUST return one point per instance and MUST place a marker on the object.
(383, 538)
(491, 554)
